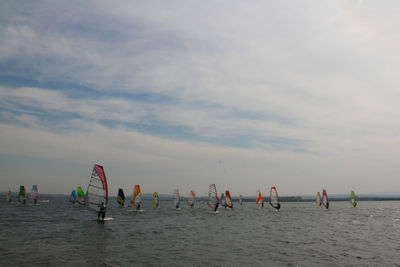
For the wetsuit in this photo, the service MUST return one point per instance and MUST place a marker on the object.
(102, 212)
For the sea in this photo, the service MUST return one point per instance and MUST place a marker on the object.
(301, 234)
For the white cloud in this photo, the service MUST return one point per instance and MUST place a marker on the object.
(321, 73)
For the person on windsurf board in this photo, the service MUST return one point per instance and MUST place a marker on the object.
(102, 212)
(216, 206)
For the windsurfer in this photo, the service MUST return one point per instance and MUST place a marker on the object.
(102, 212)
(138, 206)
(278, 206)
(262, 204)
(216, 206)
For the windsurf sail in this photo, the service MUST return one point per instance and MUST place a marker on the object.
(22, 194)
(34, 196)
(240, 200)
(318, 199)
(228, 199)
(121, 197)
(137, 197)
(80, 196)
(273, 198)
(213, 200)
(9, 196)
(97, 191)
(223, 200)
(156, 199)
(325, 200)
(176, 199)
(260, 200)
(353, 199)
(72, 197)
(192, 198)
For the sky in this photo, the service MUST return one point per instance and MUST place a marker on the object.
(302, 95)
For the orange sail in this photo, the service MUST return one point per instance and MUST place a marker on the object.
(137, 197)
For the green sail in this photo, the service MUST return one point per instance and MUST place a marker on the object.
(22, 194)
(353, 198)
(81, 196)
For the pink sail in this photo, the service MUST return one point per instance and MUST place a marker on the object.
(97, 191)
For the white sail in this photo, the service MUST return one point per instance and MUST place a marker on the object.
(273, 198)
(223, 200)
(97, 191)
(213, 201)
(176, 198)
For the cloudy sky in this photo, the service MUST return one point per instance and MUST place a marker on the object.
(303, 95)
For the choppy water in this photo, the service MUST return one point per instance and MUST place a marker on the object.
(301, 234)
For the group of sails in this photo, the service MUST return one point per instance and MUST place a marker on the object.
(22, 197)
(96, 197)
(213, 201)
(324, 201)
(273, 199)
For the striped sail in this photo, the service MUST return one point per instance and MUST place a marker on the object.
(97, 192)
